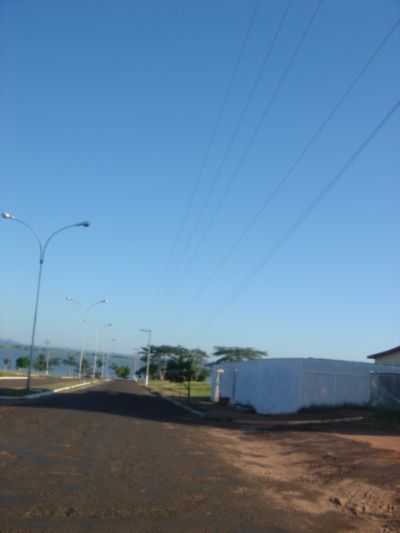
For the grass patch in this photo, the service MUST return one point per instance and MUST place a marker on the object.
(10, 374)
(199, 389)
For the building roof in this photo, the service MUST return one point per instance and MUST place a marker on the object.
(386, 352)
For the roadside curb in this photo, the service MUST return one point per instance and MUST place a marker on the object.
(177, 403)
(282, 424)
(49, 392)
(12, 377)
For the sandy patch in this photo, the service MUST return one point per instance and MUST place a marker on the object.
(318, 473)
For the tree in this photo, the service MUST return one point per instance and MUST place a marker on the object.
(121, 371)
(187, 366)
(54, 361)
(22, 362)
(85, 367)
(175, 363)
(236, 353)
(70, 361)
(40, 363)
(159, 358)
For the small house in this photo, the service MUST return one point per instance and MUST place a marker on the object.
(388, 357)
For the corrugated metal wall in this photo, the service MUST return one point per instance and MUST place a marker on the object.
(273, 386)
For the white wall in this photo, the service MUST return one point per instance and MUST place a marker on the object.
(275, 386)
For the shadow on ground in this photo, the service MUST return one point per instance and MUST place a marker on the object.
(133, 401)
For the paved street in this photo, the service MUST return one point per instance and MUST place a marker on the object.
(115, 458)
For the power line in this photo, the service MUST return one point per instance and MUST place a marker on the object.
(221, 112)
(239, 122)
(261, 121)
(302, 218)
(314, 137)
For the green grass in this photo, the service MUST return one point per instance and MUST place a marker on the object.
(200, 389)
(10, 373)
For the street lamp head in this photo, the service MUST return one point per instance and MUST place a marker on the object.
(7, 216)
(84, 224)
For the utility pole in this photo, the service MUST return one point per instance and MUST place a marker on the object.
(149, 332)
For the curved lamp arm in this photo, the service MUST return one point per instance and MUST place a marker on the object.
(103, 301)
(31, 230)
(84, 224)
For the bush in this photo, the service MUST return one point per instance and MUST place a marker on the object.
(22, 362)
(121, 371)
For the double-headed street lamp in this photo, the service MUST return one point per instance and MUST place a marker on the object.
(84, 316)
(149, 332)
(42, 255)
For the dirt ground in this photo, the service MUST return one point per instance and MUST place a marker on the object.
(349, 469)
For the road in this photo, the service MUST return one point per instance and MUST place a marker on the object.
(116, 458)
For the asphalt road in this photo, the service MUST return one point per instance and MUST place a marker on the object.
(114, 458)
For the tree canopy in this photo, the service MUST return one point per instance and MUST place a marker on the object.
(121, 371)
(22, 361)
(175, 363)
(54, 361)
(40, 363)
(227, 354)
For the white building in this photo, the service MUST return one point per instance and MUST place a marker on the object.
(273, 386)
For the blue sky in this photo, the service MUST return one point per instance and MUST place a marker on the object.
(107, 109)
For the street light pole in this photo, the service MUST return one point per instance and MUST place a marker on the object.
(109, 325)
(42, 256)
(134, 358)
(106, 362)
(84, 316)
(149, 332)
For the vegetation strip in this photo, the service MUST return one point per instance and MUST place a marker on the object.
(175, 402)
